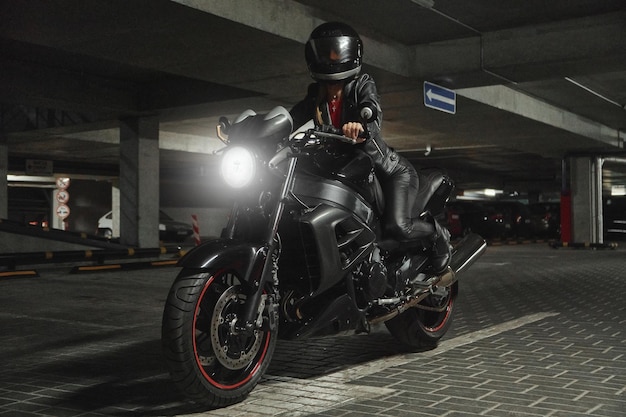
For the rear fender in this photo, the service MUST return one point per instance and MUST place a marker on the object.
(244, 258)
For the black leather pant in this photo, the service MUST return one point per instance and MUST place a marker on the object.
(400, 191)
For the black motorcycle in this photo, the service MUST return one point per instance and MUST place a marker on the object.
(303, 255)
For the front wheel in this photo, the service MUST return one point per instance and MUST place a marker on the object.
(421, 327)
(210, 362)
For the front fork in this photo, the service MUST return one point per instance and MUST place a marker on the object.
(265, 262)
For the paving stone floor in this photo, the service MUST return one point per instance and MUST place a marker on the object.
(537, 332)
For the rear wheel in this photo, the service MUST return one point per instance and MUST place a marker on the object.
(421, 327)
(210, 362)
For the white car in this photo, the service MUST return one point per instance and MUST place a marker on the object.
(169, 229)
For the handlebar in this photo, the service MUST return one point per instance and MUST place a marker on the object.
(329, 136)
(323, 135)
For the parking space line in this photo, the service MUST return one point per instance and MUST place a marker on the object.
(347, 375)
(447, 345)
(283, 395)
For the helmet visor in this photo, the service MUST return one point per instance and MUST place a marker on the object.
(336, 50)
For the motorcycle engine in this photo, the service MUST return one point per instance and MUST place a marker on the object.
(375, 280)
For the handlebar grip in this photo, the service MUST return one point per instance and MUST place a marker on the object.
(333, 136)
(338, 133)
(330, 129)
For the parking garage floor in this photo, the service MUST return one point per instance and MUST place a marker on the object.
(538, 332)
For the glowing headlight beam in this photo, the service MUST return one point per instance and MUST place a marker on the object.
(238, 167)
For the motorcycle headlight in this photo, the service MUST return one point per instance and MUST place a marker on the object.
(238, 167)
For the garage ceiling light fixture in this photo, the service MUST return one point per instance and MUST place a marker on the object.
(618, 190)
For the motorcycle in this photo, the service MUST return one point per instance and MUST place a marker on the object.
(303, 255)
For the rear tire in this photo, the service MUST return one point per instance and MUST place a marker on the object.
(422, 328)
(208, 362)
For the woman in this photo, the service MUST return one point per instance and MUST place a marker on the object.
(334, 56)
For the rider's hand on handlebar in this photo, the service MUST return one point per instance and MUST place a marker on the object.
(353, 130)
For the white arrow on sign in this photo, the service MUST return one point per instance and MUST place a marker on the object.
(63, 211)
(434, 96)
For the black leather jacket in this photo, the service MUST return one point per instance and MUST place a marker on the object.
(398, 177)
(361, 90)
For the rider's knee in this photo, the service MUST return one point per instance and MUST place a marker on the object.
(399, 230)
(410, 229)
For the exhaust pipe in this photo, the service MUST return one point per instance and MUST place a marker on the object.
(464, 254)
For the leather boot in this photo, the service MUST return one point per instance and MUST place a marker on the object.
(441, 251)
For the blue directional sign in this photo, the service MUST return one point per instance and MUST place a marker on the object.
(440, 98)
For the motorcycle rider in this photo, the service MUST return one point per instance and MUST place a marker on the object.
(334, 53)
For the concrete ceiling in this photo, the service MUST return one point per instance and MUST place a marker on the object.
(535, 80)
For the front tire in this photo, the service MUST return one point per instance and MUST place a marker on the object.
(209, 362)
(421, 328)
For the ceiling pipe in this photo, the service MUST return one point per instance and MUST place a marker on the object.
(595, 93)
(427, 4)
(472, 29)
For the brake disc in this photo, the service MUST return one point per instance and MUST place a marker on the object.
(233, 350)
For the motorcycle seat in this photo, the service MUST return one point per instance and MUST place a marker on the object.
(434, 190)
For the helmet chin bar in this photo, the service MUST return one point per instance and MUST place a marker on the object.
(338, 76)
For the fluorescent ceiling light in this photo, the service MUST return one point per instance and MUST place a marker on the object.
(490, 192)
(618, 190)
(479, 194)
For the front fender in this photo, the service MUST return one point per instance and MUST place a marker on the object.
(244, 258)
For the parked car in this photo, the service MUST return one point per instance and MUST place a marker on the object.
(546, 219)
(516, 218)
(169, 229)
(465, 217)
(452, 220)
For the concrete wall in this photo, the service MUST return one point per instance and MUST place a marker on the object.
(17, 243)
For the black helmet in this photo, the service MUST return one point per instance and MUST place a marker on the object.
(333, 52)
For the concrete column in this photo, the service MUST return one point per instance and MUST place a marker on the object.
(586, 188)
(4, 171)
(139, 181)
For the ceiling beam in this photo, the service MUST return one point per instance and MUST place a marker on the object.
(295, 21)
(40, 86)
(172, 141)
(506, 98)
(552, 50)
(563, 48)
(288, 19)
